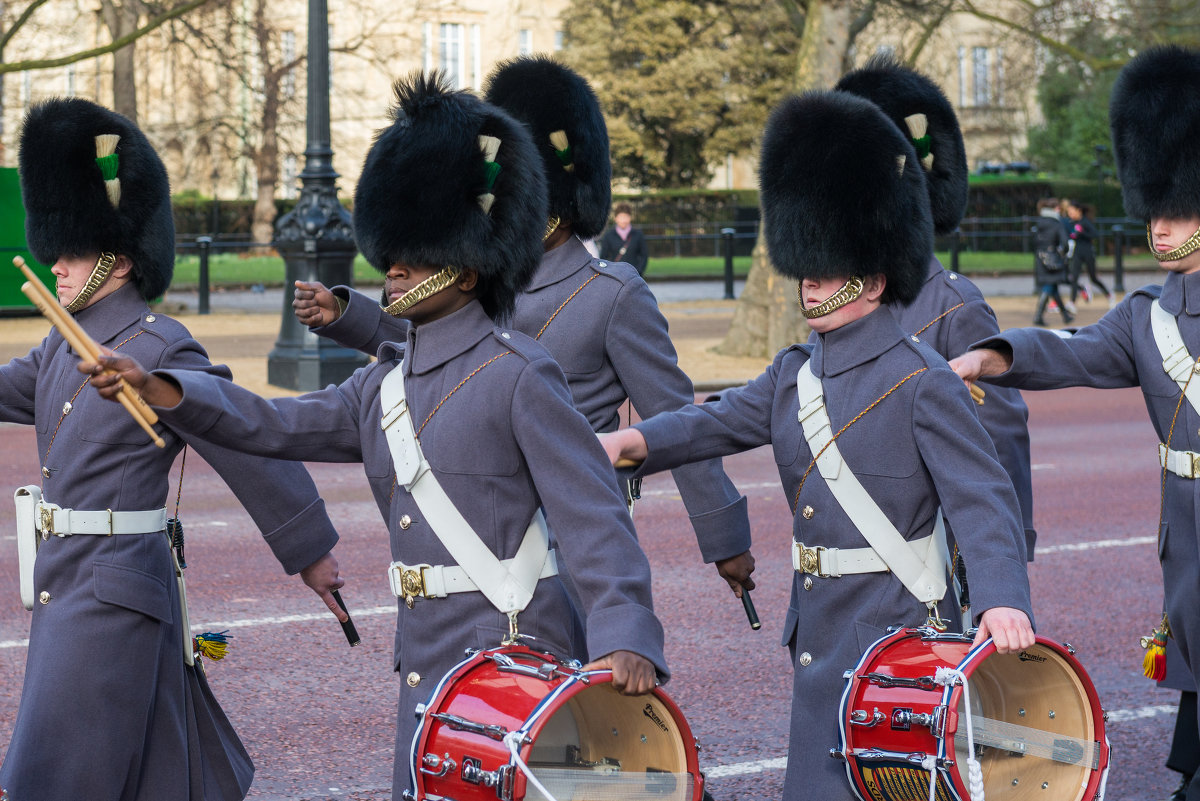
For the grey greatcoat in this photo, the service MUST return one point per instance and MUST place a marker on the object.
(109, 711)
(505, 441)
(1119, 351)
(602, 324)
(922, 446)
(949, 314)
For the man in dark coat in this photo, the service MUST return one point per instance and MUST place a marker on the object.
(623, 242)
(135, 722)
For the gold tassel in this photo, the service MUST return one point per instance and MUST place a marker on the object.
(1154, 663)
(212, 644)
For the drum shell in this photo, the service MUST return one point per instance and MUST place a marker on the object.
(482, 690)
(915, 654)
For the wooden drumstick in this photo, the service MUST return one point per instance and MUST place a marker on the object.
(977, 394)
(83, 344)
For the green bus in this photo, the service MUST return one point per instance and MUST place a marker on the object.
(12, 243)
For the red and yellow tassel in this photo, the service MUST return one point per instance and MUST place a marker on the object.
(1154, 663)
(211, 644)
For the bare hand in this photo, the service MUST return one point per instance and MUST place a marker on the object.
(1009, 629)
(323, 578)
(631, 674)
(314, 305)
(111, 370)
(736, 570)
(980, 363)
(625, 447)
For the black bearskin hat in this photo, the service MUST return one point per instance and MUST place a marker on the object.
(1155, 117)
(903, 94)
(67, 205)
(425, 185)
(843, 194)
(568, 130)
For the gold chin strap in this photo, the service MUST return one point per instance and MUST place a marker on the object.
(1188, 247)
(104, 267)
(847, 293)
(551, 227)
(432, 285)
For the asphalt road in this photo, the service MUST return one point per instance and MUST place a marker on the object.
(317, 716)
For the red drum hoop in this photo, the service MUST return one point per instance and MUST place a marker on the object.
(1035, 719)
(579, 737)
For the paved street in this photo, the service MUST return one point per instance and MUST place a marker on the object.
(317, 716)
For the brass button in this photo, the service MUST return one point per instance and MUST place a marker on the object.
(149, 318)
(808, 512)
(805, 659)
(506, 335)
(67, 407)
(808, 582)
(46, 472)
(413, 679)
(44, 597)
(405, 521)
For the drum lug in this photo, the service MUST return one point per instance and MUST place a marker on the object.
(903, 719)
(504, 783)
(1070, 649)
(916, 683)
(836, 754)
(859, 717)
(914, 757)
(473, 773)
(462, 724)
(442, 765)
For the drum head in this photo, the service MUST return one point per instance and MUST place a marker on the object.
(604, 746)
(1034, 724)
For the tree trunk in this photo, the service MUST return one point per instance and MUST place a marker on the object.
(767, 318)
(266, 165)
(122, 19)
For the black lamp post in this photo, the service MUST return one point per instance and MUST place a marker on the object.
(315, 238)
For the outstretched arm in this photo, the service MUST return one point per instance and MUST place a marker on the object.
(314, 305)
(980, 363)
(109, 372)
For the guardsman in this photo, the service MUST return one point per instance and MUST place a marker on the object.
(868, 406)
(598, 319)
(1152, 337)
(466, 430)
(949, 312)
(111, 700)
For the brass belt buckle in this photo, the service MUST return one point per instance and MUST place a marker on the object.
(412, 583)
(810, 560)
(46, 521)
(1194, 463)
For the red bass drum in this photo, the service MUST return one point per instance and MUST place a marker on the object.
(1035, 728)
(509, 719)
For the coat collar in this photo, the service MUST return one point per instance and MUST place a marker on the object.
(1181, 293)
(562, 262)
(112, 314)
(856, 343)
(432, 345)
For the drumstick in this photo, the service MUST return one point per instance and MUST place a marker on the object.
(977, 394)
(751, 615)
(347, 627)
(83, 344)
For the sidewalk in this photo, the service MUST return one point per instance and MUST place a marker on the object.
(242, 326)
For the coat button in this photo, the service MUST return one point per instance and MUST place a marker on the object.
(405, 521)
(67, 407)
(808, 582)
(413, 679)
(44, 597)
(149, 318)
(46, 472)
(808, 512)
(805, 659)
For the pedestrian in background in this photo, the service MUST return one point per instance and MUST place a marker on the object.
(623, 242)
(1049, 261)
(1083, 252)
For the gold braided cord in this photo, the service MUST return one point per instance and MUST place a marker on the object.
(1190, 246)
(921, 330)
(100, 273)
(879, 400)
(551, 227)
(847, 293)
(442, 279)
(564, 304)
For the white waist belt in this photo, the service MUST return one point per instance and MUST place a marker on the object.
(835, 562)
(53, 519)
(1185, 464)
(438, 581)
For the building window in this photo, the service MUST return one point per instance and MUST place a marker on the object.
(524, 41)
(26, 88)
(476, 59)
(288, 44)
(980, 76)
(998, 95)
(450, 53)
(962, 77)
(290, 176)
(427, 46)
(558, 40)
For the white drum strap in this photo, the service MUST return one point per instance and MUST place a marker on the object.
(924, 575)
(1176, 361)
(510, 588)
